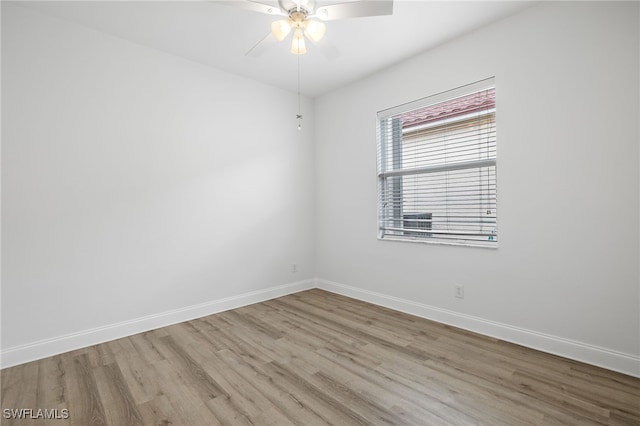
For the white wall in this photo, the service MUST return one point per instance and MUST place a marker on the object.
(136, 183)
(567, 120)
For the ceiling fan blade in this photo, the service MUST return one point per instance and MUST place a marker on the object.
(262, 46)
(355, 9)
(266, 7)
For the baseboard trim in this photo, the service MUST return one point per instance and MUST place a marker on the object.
(601, 357)
(57, 345)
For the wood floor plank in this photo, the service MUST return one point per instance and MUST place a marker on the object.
(326, 405)
(269, 348)
(120, 407)
(272, 417)
(316, 358)
(242, 396)
(296, 320)
(254, 323)
(141, 378)
(21, 390)
(281, 396)
(433, 410)
(145, 345)
(228, 413)
(51, 391)
(191, 371)
(159, 412)
(100, 355)
(185, 403)
(85, 404)
(372, 390)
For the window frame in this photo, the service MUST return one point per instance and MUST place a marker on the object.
(389, 134)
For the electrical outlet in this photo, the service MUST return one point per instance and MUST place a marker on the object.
(294, 268)
(459, 291)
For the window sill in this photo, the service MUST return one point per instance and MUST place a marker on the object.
(478, 244)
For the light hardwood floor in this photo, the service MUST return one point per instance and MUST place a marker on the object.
(316, 358)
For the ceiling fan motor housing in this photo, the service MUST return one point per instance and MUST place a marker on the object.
(298, 18)
(307, 7)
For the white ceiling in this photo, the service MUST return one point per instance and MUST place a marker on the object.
(219, 35)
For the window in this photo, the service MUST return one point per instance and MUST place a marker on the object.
(437, 168)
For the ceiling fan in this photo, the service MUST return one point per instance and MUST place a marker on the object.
(299, 19)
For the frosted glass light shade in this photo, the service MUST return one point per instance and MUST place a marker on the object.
(280, 29)
(298, 46)
(315, 30)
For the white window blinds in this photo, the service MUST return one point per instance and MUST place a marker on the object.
(437, 168)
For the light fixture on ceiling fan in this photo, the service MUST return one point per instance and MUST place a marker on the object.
(302, 27)
(301, 19)
(298, 15)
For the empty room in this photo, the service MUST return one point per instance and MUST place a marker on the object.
(320, 212)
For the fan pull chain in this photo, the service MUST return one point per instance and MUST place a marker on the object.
(299, 114)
